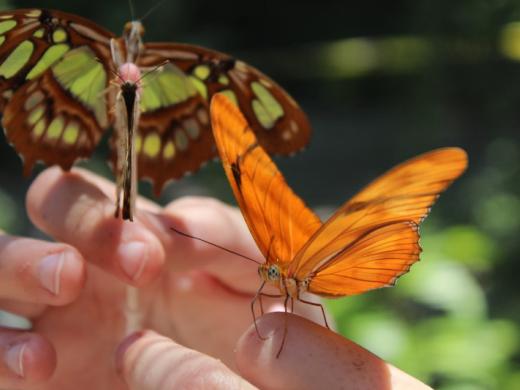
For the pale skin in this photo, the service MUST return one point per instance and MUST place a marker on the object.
(196, 298)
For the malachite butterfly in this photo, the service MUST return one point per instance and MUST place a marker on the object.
(62, 81)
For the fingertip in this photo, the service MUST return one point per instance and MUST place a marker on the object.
(123, 347)
(40, 272)
(27, 357)
(312, 357)
(66, 206)
(140, 256)
(39, 359)
(255, 352)
(62, 273)
(126, 249)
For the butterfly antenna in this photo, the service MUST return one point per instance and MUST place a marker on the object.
(215, 245)
(131, 6)
(152, 9)
(117, 75)
(153, 70)
(111, 69)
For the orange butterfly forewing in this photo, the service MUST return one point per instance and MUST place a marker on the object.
(368, 243)
(278, 219)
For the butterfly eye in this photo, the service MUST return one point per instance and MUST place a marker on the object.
(273, 273)
(128, 28)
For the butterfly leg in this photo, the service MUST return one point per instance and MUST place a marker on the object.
(260, 294)
(284, 325)
(257, 296)
(261, 304)
(269, 296)
(320, 306)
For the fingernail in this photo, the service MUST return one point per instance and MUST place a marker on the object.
(14, 358)
(49, 272)
(133, 258)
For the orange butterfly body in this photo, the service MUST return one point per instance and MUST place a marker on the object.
(368, 242)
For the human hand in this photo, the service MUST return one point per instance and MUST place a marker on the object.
(189, 291)
(313, 358)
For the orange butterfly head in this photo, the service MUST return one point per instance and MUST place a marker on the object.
(276, 275)
(270, 273)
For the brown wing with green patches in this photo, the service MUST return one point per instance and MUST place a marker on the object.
(173, 142)
(53, 75)
(278, 122)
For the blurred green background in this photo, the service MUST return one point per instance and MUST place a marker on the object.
(381, 82)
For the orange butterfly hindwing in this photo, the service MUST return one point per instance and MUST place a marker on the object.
(369, 241)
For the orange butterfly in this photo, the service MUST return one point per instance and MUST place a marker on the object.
(369, 241)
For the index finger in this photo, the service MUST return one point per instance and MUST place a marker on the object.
(72, 208)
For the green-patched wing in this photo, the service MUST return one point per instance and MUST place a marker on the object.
(278, 122)
(53, 77)
(174, 136)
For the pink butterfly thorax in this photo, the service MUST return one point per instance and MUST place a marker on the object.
(130, 73)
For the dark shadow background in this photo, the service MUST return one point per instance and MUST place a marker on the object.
(381, 82)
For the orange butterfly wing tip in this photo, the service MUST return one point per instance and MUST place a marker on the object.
(453, 155)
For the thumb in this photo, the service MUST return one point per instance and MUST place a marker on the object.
(147, 360)
(313, 357)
